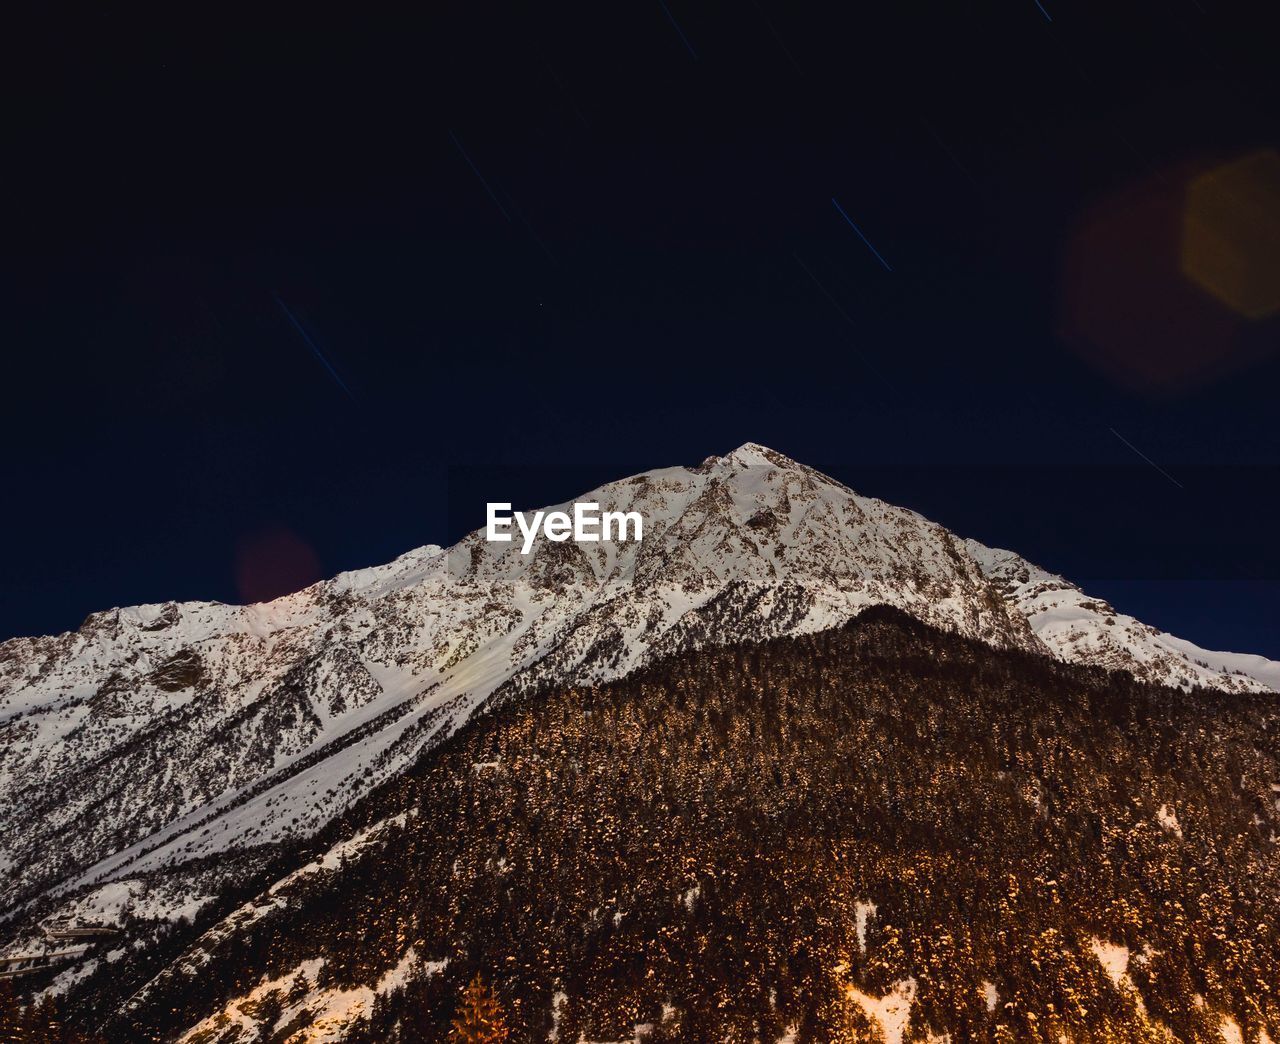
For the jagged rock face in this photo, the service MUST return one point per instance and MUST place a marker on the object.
(158, 735)
(879, 832)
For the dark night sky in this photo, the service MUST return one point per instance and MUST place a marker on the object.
(646, 269)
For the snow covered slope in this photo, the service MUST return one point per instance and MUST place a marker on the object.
(1080, 629)
(160, 734)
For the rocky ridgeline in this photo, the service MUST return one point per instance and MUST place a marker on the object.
(171, 752)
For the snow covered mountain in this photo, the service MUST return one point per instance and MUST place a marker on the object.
(158, 736)
(1080, 629)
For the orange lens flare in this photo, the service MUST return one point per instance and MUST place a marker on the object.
(1231, 234)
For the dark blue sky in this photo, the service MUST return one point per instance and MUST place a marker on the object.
(531, 249)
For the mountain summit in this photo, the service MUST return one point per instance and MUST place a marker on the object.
(162, 751)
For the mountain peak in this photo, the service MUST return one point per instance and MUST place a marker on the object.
(753, 454)
(165, 750)
(266, 708)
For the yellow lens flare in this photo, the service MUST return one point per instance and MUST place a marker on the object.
(1231, 234)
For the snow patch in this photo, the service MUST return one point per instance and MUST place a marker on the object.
(862, 912)
(1169, 820)
(1113, 958)
(396, 977)
(332, 1012)
(990, 995)
(557, 1002)
(891, 1012)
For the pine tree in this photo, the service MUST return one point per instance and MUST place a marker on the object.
(10, 1015)
(479, 1016)
(45, 1021)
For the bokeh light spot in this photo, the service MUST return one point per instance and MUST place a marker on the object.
(1231, 234)
(273, 563)
(1128, 311)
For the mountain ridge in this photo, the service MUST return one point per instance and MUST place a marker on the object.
(159, 736)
